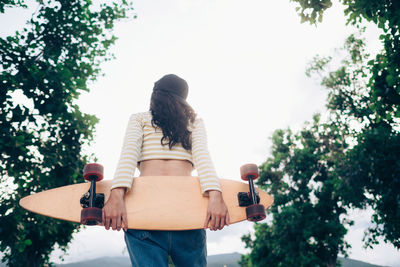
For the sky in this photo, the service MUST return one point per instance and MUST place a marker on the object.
(245, 65)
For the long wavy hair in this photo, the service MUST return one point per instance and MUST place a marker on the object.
(173, 115)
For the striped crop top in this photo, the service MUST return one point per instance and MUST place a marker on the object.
(143, 142)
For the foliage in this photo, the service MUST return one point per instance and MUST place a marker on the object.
(383, 71)
(11, 3)
(361, 166)
(307, 227)
(365, 94)
(373, 164)
(42, 132)
(369, 94)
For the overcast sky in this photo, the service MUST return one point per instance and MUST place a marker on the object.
(244, 62)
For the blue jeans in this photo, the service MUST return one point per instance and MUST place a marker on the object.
(151, 248)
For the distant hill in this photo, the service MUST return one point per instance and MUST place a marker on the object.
(230, 260)
(221, 260)
(354, 263)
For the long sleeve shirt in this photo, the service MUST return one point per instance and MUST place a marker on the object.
(143, 142)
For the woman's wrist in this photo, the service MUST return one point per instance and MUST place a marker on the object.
(214, 194)
(118, 192)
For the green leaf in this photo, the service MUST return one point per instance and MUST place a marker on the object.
(390, 80)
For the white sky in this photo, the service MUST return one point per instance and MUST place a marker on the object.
(244, 62)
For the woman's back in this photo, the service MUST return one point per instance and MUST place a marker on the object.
(144, 142)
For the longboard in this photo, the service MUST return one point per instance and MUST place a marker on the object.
(154, 203)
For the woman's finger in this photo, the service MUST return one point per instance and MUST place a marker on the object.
(103, 217)
(207, 221)
(114, 222)
(212, 224)
(125, 221)
(106, 221)
(227, 219)
(218, 222)
(118, 223)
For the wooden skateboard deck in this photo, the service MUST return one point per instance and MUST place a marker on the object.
(154, 203)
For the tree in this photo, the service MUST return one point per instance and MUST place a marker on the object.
(307, 226)
(42, 138)
(363, 115)
(372, 166)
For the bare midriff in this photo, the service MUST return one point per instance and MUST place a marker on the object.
(165, 167)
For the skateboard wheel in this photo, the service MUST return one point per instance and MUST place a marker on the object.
(91, 216)
(255, 213)
(248, 171)
(93, 170)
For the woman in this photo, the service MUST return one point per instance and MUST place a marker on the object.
(167, 140)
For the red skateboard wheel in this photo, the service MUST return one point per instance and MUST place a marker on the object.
(255, 213)
(93, 170)
(248, 171)
(91, 216)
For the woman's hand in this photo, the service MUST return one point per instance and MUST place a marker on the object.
(114, 211)
(217, 213)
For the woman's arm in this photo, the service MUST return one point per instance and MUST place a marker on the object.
(114, 211)
(130, 153)
(202, 160)
(217, 213)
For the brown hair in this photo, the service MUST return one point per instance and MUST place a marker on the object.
(171, 112)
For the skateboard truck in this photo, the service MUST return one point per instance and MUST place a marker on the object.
(98, 203)
(254, 212)
(245, 199)
(91, 202)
